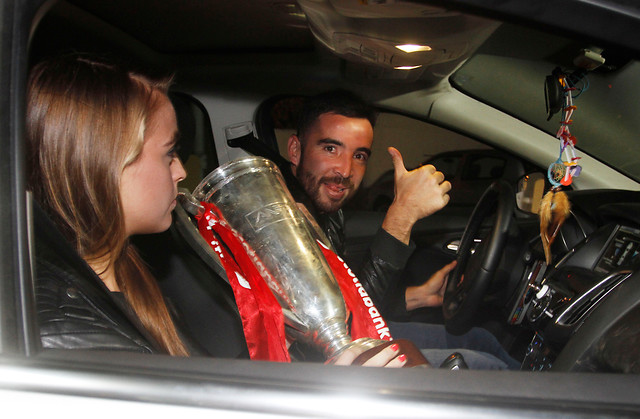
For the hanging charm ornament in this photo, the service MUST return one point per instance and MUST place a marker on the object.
(555, 206)
(554, 210)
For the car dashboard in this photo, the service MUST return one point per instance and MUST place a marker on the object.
(555, 301)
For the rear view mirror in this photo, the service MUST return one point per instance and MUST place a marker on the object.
(529, 192)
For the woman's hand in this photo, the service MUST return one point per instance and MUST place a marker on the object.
(388, 357)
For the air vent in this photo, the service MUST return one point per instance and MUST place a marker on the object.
(582, 305)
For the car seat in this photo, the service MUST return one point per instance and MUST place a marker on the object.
(188, 273)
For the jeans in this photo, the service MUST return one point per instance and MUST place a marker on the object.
(480, 349)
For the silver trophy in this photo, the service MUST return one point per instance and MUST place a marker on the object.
(252, 196)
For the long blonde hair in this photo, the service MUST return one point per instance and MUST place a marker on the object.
(85, 123)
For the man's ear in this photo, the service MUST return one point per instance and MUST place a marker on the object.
(294, 149)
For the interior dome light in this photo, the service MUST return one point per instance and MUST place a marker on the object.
(407, 67)
(409, 48)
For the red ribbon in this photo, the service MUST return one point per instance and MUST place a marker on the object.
(261, 314)
(366, 320)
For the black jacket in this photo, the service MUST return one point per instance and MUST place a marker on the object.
(75, 309)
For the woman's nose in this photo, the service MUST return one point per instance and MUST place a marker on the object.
(179, 174)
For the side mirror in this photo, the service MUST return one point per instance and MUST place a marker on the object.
(530, 191)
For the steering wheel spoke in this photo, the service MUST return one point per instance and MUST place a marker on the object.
(457, 298)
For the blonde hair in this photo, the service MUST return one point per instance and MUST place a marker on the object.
(85, 124)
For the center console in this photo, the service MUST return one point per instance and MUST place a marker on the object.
(555, 300)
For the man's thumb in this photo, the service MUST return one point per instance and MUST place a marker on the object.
(398, 162)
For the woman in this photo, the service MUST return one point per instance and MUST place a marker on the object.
(101, 144)
(103, 167)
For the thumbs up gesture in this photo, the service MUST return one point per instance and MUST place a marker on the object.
(418, 194)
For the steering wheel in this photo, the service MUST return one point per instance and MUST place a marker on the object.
(475, 269)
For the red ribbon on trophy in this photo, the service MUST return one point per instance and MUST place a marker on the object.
(366, 319)
(261, 314)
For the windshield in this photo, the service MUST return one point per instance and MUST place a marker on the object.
(605, 122)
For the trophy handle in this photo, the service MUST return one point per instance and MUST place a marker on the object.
(315, 227)
(189, 203)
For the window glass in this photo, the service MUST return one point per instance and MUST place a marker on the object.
(484, 168)
(447, 165)
(418, 142)
(604, 122)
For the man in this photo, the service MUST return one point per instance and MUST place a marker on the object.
(329, 155)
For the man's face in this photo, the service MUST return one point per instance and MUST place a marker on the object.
(332, 162)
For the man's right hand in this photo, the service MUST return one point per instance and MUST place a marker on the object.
(418, 194)
(431, 293)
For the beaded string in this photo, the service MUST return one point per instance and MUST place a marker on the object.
(555, 206)
(562, 171)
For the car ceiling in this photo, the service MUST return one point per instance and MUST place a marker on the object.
(163, 36)
(205, 26)
(177, 33)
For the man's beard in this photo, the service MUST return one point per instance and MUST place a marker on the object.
(311, 185)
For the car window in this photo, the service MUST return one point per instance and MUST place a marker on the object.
(604, 122)
(417, 140)
(197, 148)
(488, 168)
(231, 76)
(448, 165)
